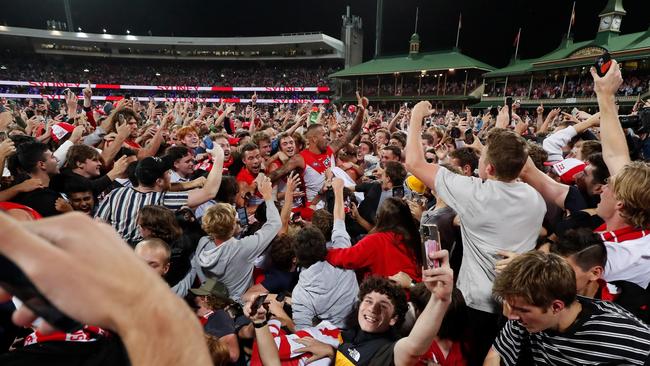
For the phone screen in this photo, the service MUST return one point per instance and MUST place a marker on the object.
(398, 191)
(242, 215)
(430, 236)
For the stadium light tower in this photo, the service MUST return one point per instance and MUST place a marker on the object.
(68, 14)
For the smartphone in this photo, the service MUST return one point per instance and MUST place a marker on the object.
(242, 215)
(313, 116)
(509, 104)
(17, 283)
(398, 191)
(602, 64)
(347, 203)
(258, 302)
(430, 236)
(574, 111)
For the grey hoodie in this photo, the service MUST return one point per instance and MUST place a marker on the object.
(232, 262)
(323, 290)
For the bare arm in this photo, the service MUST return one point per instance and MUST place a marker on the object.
(285, 214)
(615, 151)
(393, 122)
(415, 162)
(440, 281)
(296, 161)
(493, 358)
(551, 190)
(354, 130)
(211, 187)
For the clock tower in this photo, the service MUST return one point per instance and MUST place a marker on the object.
(611, 17)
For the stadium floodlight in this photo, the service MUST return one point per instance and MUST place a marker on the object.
(223, 76)
(157, 74)
(3, 67)
(104, 30)
(128, 31)
(86, 70)
(78, 29)
(451, 70)
(284, 75)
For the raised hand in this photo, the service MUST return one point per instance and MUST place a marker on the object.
(607, 85)
(439, 280)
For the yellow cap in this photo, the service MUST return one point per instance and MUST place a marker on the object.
(415, 185)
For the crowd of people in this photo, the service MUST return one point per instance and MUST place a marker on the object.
(215, 234)
(574, 87)
(160, 72)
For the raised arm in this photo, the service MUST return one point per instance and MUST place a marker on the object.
(354, 130)
(615, 151)
(440, 281)
(211, 187)
(285, 214)
(415, 162)
(551, 190)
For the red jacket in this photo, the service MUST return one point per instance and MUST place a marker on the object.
(381, 254)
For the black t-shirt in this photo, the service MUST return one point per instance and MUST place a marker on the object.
(361, 348)
(371, 196)
(219, 324)
(99, 185)
(42, 200)
(277, 282)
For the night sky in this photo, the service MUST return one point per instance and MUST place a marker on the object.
(488, 27)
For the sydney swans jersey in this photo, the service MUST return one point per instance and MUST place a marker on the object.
(315, 167)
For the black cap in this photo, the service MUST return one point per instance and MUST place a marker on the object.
(151, 168)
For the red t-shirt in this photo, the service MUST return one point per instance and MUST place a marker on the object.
(454, 358)
(381, 254)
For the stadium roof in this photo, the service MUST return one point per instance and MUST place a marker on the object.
(314, 45)
(430, 61)
(569, 54)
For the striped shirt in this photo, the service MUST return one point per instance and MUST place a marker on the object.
(603, 333)
(120, 209)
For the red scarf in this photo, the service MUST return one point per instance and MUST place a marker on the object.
(620, 235)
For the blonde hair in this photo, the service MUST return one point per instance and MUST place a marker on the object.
(218, 350)
(219, 221)
(631, 186)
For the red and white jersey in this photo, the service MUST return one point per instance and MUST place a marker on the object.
(314, 174)
(324, 332)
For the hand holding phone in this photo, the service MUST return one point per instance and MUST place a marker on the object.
(257, 303)
(430, 235)
(602, 64)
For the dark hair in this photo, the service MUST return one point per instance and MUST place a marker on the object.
(599, 168)
(248, 147)
(371, 146)
(453, 324)
(323, 221)
(130, 172)
(399, 136)
(228, 189)
(309, 246)
(382, 286)
(79, 154)
(76, 183)
(395, 150)
(507, 152)
(161, 221)
(124, 151)
(281, 252)
(27, 157)
(584, 246)
(176, 153)
(466, 156)
(394, 215)
(396, 172)
(428, 138)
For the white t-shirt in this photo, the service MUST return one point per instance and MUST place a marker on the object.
(494, 216)
(629, 261)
